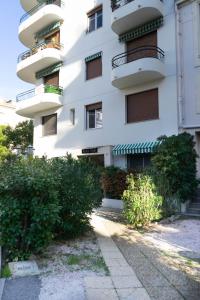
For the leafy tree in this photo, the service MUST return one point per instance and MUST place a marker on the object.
(21, 135)
(4, 151)
(174, 167)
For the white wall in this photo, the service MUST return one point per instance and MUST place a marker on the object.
(78, 92)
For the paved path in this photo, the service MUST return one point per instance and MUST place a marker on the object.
(160, 280)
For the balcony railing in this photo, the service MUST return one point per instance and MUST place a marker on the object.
(38, 7)
(47, 88)
(115, 4)
(39, 47)
(137, 53)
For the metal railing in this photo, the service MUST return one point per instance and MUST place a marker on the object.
(38, 7)
(115, 4)
(137, 53)
(47, 88)
(39, 47)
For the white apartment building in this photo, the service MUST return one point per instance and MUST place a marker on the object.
(8, 114)
(188, 54)
(104, 74)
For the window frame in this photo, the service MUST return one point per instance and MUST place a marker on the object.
(86, 68)
(43, 123)
(87, 121)
(94, 13)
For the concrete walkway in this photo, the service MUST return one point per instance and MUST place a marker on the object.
(122, 283)
(151, 276)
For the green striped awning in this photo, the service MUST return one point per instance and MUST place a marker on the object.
(50, 28)
(48, 71)
(141, 30)
(94, 56)
(136, 148)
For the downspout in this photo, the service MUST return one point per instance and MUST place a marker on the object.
(179, 69)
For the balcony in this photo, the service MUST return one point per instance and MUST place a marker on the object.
(137, 66)
(42, 98)
(40, 16)
(38, 58)
(128, 14)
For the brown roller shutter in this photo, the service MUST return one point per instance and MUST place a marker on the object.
(94, 68)
(146, 40)
(52, 79)
(49, 124)
(94, 106)
(142, 106)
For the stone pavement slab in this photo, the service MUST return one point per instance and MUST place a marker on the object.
(133, 294)
(124, 282)
(23, 288)
(2, 283)
(101, 294)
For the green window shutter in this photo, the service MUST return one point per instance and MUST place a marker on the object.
(48, 71)
(141, 30)
(47, 30)
(92, 57)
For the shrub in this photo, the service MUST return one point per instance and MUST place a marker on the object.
(78, 185)
(113, 181)
(141, 202)
(28, 206)
(174, 168)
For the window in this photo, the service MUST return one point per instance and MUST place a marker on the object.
(94, 68)
(95, 19)
(52, 79)
(142, 106)
(72, 116)
(49, 124)
(138, 162)
(94, 116)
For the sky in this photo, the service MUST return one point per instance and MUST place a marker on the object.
(11, 47)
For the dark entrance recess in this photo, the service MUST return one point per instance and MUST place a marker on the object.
(97, 159)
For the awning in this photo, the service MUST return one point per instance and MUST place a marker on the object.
(48, 30)
(94, 56)
(141, 30)
(47, 71)
(136, 148)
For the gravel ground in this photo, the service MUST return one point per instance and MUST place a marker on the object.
(64, 265)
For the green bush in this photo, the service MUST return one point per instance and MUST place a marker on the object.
(174, 168)
(28, 206)
(78, 185)
(113, 181)
(141, 202)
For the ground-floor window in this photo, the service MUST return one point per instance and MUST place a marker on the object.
(97, 159)
(138, 162)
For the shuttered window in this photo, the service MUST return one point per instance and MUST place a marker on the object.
(142, 106)
(49, 124)
(94, 68)
(52, 79)
(147, 40)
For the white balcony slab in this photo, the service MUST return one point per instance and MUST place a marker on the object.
(137, 72)
(134, 14)
(40, 19)
(27, 68)
(40, 102)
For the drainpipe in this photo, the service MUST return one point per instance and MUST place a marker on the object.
(179, 69)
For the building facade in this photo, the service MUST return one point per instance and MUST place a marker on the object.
(105, 77)
(8, 114)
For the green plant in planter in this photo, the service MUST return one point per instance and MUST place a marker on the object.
(53, 89)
